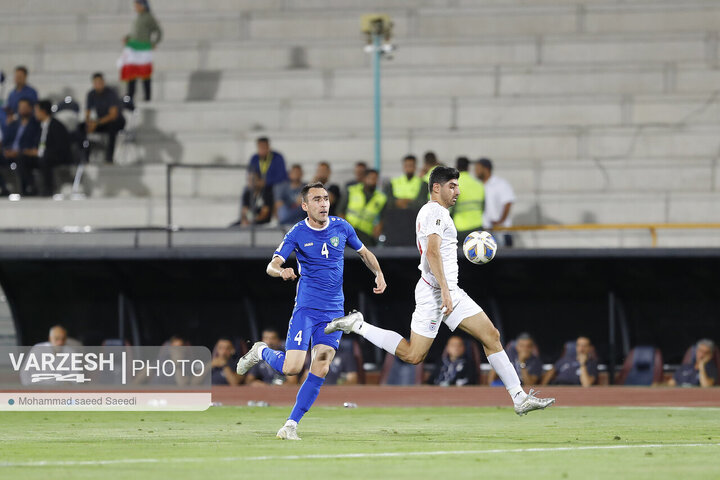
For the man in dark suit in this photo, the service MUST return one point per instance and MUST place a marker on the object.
(21, 136)
(53, 149)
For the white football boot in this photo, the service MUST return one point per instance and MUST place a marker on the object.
(532, 402)
(347, 323)
(250, 359)
(288, 431)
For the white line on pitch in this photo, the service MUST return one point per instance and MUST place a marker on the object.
(75, 463)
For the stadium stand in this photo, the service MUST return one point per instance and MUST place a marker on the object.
(643, 366)
(597, 111)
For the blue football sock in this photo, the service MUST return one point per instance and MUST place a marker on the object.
(306, 396)
(274, 358)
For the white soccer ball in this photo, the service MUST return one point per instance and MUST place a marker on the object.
(480, 247)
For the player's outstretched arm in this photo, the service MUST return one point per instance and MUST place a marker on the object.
(275, 269)
(371, 261)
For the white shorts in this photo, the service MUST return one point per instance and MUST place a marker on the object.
(428, 309)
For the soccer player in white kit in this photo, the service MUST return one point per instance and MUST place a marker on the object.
(439, 299)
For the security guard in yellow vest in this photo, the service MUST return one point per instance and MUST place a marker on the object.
(406, 190)
(468, 210)
(364, 208)
(430, 161)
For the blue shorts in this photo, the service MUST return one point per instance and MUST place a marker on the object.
(308, 324)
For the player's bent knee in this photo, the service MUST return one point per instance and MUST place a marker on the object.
(291, 370)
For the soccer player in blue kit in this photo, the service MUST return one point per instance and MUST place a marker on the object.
(319, 243)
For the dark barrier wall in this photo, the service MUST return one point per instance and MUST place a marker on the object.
(668, 298)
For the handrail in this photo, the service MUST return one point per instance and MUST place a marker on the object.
(168, 187)
(652, 227)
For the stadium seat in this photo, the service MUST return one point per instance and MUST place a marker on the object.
(397, 372)
(643, 366)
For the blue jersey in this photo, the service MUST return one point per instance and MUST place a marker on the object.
(320, 261)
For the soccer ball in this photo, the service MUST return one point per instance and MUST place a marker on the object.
(480, 247)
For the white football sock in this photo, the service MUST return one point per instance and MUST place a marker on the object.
(505, 370)
(385, 339)
(260, 350)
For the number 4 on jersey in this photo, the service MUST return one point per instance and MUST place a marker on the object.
(298, 337)
(324, 250)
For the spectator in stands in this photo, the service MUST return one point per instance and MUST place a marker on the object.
(499, 197)
(430, 161)
(406, 190)
(343, 368)
(103, 114)
(21, 91)
(455, 367)
(53, 149)
(358, 173)
(224, 363)
(288, 201)
(522, 355)
(468, 210)
(322, 175)
(269, 163)
(139, 44)
(701, 371)
(257, 201)
(262, 373)
(575, 367)
(57, 337)
(364, 208)
(22, 137)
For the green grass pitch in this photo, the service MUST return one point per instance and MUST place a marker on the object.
(364, 443)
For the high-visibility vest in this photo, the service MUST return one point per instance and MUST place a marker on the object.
(468, 210)
(406, 189)
(361, 214)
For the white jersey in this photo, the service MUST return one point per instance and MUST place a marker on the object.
(434, 218)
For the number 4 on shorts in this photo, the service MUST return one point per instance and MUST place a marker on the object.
(298, 337)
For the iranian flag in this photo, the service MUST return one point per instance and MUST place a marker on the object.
(135, 61)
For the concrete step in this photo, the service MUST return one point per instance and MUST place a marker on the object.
(526, 176)
(284, 54)
(432, 22)
(609, 143)
(406, 82)
(556, 208)
(162, 7)
(441, 114)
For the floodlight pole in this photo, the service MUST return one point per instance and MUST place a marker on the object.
(376, 54)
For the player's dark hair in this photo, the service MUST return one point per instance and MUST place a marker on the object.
(97, 75)
(306, 189)
(323, 163)
(487, 163)
(442, 175)
(371, 170)
(22, 68)
(462, 164)
(264, 140)
(360, 163)
(410, 157)
(45, 106)
(295, 165)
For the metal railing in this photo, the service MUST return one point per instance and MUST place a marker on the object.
(170, 167)
(651, 227)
